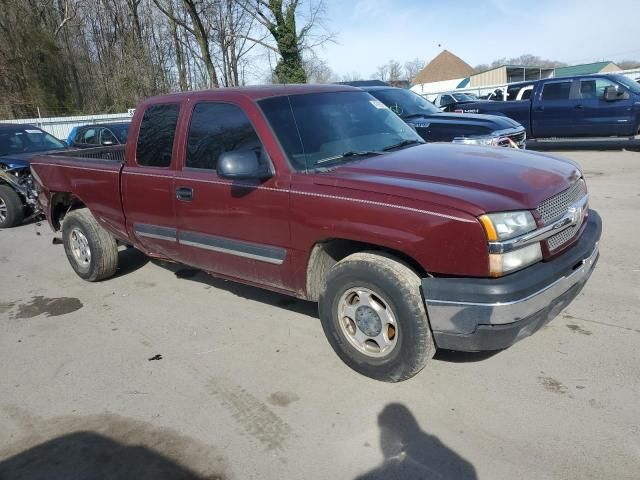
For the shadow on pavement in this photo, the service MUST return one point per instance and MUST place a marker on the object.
(584, 145)
(130, 260)
(464, 357)
(412, 454)
(248, 292)
(104, 446)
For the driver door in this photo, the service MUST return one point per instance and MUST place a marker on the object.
(596, 117)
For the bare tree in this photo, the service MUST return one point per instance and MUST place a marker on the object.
(317, 70)
(412, 68)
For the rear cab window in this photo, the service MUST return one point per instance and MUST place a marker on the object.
(157, 134)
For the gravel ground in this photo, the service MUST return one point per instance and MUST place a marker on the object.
(165, 372)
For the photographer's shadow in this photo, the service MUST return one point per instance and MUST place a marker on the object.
(412, 454)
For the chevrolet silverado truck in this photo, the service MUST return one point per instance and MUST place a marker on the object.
(584, 106)
(323, 193)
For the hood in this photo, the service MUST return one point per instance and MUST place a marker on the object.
(489, 123)
(472, 179)
(22, 160)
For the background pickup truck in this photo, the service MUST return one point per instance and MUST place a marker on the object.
(323, 193)
(585, 106)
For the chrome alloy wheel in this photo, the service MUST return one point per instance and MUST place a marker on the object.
(80, 248)
(3, 210)
(367, 322)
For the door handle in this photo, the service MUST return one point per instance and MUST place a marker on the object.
(579, 107)
(539, 109)
(184, 193)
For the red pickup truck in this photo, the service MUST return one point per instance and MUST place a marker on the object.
(322, 193)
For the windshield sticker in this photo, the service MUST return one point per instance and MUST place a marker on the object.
(377, 104)
(32, 131)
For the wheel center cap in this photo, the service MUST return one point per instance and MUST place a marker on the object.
(368, 321)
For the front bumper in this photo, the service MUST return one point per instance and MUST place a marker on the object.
(475, 314)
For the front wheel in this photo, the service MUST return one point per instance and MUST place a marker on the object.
(374, 318)
(91, 250)
(11, 207)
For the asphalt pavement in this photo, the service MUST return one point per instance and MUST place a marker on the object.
(165, 372)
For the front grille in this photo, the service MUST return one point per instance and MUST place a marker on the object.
(561, 238)
(518, 138)
(555, 207)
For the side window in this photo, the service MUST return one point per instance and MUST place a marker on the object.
(78, 137)
(217, 128)
(556, 91)
(446, 100)
(526, 95)
(594, 88)
(157, 131)
(90, 137)
(107, 136)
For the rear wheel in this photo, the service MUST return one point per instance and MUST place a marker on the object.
(374, 317)
(11, 207)
(91, 250)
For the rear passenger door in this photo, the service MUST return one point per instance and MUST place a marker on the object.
(148, 182)
(553, 112)
(239, 228)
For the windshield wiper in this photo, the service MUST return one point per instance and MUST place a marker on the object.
(404, 143)
(348, 154)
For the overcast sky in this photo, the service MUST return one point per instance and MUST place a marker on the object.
(371, 32)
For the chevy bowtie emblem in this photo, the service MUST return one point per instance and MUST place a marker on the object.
(576, 212)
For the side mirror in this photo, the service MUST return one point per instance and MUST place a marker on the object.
(242, 165)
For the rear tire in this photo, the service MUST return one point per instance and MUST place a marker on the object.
(392, 344)
(11, 207)
(91, 250)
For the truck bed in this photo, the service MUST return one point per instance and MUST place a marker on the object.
(93, 175)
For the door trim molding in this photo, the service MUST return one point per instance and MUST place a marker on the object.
(240, 248)
(156, 232)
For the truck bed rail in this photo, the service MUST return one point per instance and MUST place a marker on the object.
(114, 153)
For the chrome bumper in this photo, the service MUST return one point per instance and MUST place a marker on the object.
(472, 314)
(443, 313)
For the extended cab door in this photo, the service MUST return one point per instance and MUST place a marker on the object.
(552, 110)
(148, 181)
(597, 117)
(235, 228)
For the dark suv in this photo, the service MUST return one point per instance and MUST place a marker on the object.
(433, 125)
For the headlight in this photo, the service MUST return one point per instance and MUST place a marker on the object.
(507, 225)
(474, 140)
(503, 263)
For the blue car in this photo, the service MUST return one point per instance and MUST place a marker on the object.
(18, 144)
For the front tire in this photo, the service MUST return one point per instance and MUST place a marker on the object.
(11, 207)
(91, 250)
(374, 317)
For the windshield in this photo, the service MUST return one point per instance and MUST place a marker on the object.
(27, 140)
(120, 131)
(463, 97)
(405, 103)
(627, 82)
(339, 127)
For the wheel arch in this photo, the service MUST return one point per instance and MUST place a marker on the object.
(326, 253)
(60, 205)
